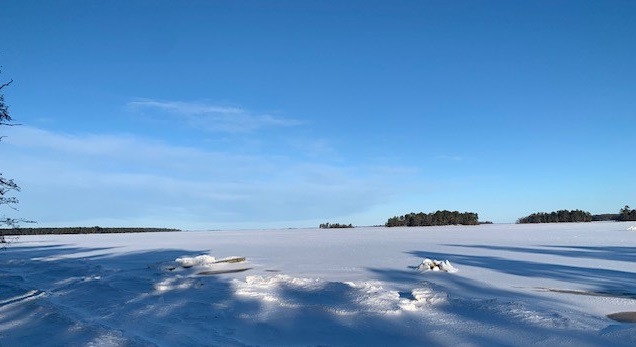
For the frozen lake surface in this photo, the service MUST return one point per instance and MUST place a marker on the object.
(515, 285)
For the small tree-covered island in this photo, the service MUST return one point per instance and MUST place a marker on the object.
(561, 216)
(565, 216)
(437, 218)
(335, 226)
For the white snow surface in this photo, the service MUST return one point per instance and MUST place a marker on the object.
(517, 285)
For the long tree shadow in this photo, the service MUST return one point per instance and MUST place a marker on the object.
(615, 253)
(598, 279)
(15, 252)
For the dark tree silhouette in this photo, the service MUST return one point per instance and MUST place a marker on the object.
(627, 214)
(561, 216)
(438, 218)
(335, 226)
(6, 185)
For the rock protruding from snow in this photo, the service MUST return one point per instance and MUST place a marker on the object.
(436, 265)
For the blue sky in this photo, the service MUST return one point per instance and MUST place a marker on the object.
(267, 114)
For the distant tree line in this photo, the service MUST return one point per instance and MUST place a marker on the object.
(335, 226)
(561, 216)
(605, 217)
(81, 230)
(437, 218)
(565, 216)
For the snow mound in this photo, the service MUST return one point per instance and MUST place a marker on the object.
(203, 259)
(633, 227)
(436, 265)
(206, 264)
(340, 298)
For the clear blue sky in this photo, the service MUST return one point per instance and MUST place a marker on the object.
(248, 114)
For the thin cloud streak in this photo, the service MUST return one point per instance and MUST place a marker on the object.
(213, 117)
(67, 179)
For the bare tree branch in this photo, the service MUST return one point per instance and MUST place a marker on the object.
(6, 184)
(6, 84)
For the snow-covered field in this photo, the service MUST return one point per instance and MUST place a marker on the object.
(515, 285)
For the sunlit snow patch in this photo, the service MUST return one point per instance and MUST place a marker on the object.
(633, 227)
(177, 283)
(341, 298)
(421, 297)
(436, 265)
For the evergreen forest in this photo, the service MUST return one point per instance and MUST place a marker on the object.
(561, 216)
(565, 216)
(437, 218)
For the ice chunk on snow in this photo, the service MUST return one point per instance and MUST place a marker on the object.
(426, 265)
(447, 266)
(436, 265)
(203, 259)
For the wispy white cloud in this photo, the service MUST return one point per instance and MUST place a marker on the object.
(73, 179)
(216, 118)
